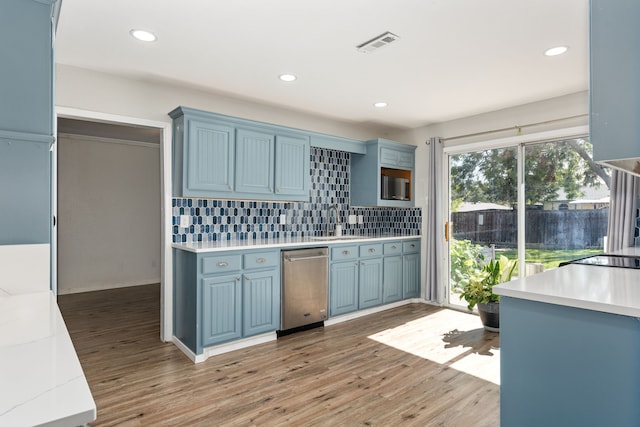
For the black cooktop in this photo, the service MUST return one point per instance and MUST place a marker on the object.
(603, 260)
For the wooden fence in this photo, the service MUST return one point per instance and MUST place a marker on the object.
(566, 229)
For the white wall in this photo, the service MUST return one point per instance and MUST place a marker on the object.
(109, 231)
(550, 110)
(89, 90)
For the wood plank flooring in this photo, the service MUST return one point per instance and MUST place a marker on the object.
(415, 365)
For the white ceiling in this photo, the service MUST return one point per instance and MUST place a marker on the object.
(455, 58)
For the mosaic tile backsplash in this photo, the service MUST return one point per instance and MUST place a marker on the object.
(248, 219)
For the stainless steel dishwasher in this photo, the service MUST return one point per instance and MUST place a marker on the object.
(304, 287)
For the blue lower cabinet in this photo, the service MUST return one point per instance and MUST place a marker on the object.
(370, 282)
(261, 302)
(392, 279)
(343, 292)
(221, 309)
(566, 366)
(372, 274)
(411, 275)
(224, 296)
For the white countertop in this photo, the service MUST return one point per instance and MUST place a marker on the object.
(41, 379)
(229, 245)
(607, 289)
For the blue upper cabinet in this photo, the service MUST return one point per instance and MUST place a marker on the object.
(292, 165)
(211, 158)
(26, 119)
(255, 152)
(26, 74)
(384, 175)
(217, 156)
(615, 81)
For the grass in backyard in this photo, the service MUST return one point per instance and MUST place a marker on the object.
(550, 257)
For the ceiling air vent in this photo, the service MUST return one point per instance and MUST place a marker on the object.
(377, 43)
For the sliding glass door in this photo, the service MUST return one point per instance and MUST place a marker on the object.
(561, 214)
(482, 212)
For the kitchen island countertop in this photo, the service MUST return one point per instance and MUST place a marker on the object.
(285, 242)
(41, 379)
(606, 289)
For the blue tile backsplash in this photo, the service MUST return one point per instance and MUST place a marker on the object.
(248, 219)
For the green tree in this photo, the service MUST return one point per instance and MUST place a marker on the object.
(491, 175)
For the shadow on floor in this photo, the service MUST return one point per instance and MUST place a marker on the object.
(474, 339)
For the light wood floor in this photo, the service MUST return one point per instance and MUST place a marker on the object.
(415, 365)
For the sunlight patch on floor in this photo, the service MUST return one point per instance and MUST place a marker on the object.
(447, 337)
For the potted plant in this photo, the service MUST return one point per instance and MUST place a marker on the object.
(479, 290)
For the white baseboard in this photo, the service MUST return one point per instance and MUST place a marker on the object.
(368, 311)
(224, 348)
(66, 291)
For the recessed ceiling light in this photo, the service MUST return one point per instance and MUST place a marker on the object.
(287, 77)
(380, 104)
(143, 35)
(558, 50)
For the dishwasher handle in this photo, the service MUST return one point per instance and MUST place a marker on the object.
(304, 258)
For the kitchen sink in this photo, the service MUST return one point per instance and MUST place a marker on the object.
(328, 238)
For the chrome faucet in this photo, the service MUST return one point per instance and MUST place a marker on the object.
(335, 209)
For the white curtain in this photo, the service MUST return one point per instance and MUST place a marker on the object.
(622, 210)
(434, 223)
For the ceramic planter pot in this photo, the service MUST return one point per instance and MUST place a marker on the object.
(490, 316)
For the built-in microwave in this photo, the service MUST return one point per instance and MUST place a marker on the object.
(395, 188)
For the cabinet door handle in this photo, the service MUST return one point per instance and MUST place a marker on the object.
(237, 279)
(223, 264)
(413, 245)
(346, 252)
(394, 247)
(361, 263)
(260, 260)
(270, 188)
(230, 187)
(247, 277)
(371, 250)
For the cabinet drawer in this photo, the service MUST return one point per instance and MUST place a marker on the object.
(374, 249)
(392, 248)
(344, 252)
(411, 246)
(221, 263)
(261, 259)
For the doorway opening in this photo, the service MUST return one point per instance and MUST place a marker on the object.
(124, 153)
(108, 215)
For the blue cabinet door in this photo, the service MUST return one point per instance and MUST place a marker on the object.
(254, 162)
(392, 279)
(411, 275)
(261, 302)
(292, 166)
(26, 75)
(221, 309)
(210, 154)
(615, 78)
(370, 283)
(343, 290)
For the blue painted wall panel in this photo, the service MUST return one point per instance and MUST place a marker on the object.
(24, 192)
(26, 73)
(562, 366)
